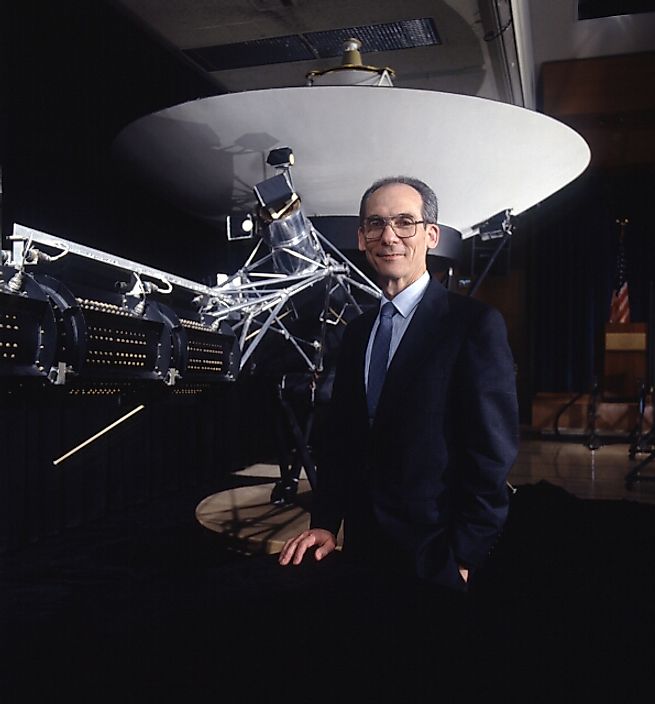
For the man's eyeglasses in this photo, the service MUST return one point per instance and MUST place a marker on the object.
(403, 225)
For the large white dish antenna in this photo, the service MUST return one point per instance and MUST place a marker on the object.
(481, 156)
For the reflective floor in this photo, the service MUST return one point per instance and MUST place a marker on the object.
(247, 515)
(588, 474)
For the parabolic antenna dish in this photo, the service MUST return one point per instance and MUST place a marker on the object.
(481, 156)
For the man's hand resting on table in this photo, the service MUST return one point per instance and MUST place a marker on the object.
(294, 549)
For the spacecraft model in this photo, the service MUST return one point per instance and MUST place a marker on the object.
(111, 319)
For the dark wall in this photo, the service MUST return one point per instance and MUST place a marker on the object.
(74, 74)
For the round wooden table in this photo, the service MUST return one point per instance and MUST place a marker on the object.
(246, 516)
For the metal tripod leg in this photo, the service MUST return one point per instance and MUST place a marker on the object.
(634, 475)
(642, 443)
(287, 486)
(593, 441)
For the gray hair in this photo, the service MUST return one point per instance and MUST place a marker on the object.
(430, 208)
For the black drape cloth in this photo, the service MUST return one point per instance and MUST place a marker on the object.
(147, 606)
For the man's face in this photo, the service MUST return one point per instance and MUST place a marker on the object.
(398, 262)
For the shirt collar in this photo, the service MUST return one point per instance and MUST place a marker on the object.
(408, 298)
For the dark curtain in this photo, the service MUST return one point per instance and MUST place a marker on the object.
(575, 238)
(179, 440)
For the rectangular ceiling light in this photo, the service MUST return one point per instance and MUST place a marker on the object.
(404, 34)
(594, 9)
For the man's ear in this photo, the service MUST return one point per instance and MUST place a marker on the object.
(361, 240)
(433, 235)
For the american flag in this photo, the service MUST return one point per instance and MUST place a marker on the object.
(620, 302)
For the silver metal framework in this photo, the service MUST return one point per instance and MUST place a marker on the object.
(254, 301)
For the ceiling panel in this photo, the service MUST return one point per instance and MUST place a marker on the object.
(464, 62)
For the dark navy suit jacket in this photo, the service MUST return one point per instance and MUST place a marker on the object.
(424, 486)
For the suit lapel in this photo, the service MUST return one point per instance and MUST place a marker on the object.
(357, 362)
(419, 342)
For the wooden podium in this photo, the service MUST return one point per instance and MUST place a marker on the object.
(625, 359)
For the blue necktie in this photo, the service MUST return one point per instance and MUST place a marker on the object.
(377, 368)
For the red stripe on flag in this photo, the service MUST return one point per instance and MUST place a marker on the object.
(620, 305)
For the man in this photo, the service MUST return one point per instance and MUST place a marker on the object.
(417, 473)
